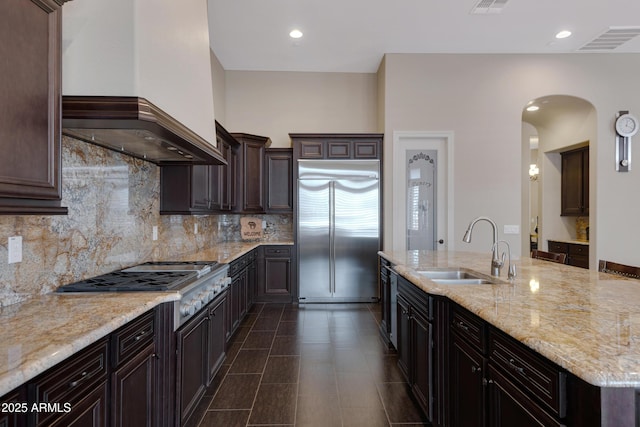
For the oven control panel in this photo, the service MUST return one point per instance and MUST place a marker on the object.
(193, 302)
(197, 296)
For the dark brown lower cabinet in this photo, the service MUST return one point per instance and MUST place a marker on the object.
(404, 336)
(201, 344)
(12, 417)
(467, 384)
(82, 382)
(509, 406)
(241, 293)
(415, 343)
(90, 411)
(422, 363)
(275, 274)
(133, 391)
(192, 373)
(217, 338)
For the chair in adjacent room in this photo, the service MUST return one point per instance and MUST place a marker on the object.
(619, 269)
(549, 256)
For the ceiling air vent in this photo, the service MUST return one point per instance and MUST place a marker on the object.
(611, 39)
(489, 6)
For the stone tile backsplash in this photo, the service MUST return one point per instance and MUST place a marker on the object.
(113, 203)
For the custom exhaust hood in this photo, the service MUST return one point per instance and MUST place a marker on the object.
(136, 78)
(134, 126)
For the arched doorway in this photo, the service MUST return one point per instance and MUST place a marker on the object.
(559, 124)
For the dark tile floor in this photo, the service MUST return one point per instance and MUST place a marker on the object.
(309, 365)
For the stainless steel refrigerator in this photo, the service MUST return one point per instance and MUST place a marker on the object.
(338, 230)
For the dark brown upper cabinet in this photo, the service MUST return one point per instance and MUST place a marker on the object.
(30, 98)
(279, 180)
(250, 189)
(575, 182)
(336, 146)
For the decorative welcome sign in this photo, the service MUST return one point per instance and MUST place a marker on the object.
(251, 228)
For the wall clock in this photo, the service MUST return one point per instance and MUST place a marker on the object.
(627, 125)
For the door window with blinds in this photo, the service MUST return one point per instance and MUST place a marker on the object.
(421, 199)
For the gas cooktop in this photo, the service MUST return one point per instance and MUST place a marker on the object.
(150, 276)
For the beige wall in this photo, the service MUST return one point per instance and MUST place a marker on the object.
(480, 98)
(274, 104)
(219, 90)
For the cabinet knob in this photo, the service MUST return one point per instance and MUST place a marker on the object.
(475, 369)
(441, 241)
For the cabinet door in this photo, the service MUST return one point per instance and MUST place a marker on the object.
(236, 284)
(467, 385)
(253, 189)
(575, 183)
(422, 362)
(30, 134)
(508, 406)
(133, 391)
(192, 374)
(277, 276)
(252, 279)
(201, 187)
(279, 180)
(14, 418)
(91, 411)
(217, 338)
(404, 336)
(385, 298)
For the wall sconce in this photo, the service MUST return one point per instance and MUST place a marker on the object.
(533, 172)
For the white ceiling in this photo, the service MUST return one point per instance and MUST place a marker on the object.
(353, 35)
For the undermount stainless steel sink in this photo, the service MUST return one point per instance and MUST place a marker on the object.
(457, 276)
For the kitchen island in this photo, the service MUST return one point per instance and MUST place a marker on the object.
(585, 322)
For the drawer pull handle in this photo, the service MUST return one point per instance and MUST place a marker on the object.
(139, 336)
(83, 377)
(517, 368)
(475, 369)
(460, 324)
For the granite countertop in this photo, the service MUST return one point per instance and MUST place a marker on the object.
(585, 321)
(42, 330)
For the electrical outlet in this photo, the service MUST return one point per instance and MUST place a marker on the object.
(155, 232)
(511, 229)
(15, 249)
(195, 228)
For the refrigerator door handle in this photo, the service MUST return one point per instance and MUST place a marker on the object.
(332, 236)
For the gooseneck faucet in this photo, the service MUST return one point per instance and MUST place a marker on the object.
(496, 262)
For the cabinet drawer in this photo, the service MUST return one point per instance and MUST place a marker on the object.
(129, 340)
(470, 327)
(579, 250)
(283, 251)
(560, 247)
(539, 377)
(419, 300)
(237, 265)
(72, 379)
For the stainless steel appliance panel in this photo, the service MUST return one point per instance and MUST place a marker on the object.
(356, 225)
(313, 234)
(338, 230)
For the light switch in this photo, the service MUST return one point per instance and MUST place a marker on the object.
(511, 229)
(15, 249)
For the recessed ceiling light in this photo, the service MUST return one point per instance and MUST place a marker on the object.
(533, 108)
(563, 34)
(295, 34)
